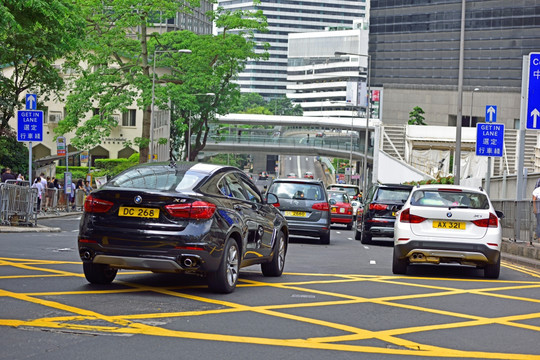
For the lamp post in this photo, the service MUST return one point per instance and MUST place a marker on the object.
(368, 114)
(189, 127)
(472, 101)
(182, 51)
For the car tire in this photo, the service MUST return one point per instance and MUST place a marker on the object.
(492, 271)
(365, 238)
(349, 226)
(358, 235)
(99, 273)
(224, 279)
(325, 238)
(399, 266)
(275, 266)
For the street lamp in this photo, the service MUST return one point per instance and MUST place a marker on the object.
(189, 127)
(364, 180)
(472, 101)
(182, 51)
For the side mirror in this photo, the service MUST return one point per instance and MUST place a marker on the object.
(272, 199)
(332, 201)
(499, 214)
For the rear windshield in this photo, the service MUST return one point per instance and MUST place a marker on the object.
(352, 191)
(392, 195)
(164, 178)
(339, 197)
(445, 198)
(285, 190)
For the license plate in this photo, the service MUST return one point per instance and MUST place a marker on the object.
(295, 213)
(334, 210)
(138, 212)
(456, 225)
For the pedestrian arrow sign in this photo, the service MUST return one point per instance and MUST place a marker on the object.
(533, 92)
(491, 113)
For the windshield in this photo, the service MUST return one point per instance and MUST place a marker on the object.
(398, 195)
(297, 191)
(445, 198)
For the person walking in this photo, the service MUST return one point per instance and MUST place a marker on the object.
(39, 186)
(536, 209)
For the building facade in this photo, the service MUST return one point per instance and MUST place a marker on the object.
(318, 78)
(269, 78)
(415, 48)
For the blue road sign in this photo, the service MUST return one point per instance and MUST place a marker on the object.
(31, 102)
(533, 92)
(30, 125)
(491, 113)
(489, 139)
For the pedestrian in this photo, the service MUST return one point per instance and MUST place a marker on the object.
(87, 187)
(536, 209)
(56, 184)
(39, 186)
(7, 175)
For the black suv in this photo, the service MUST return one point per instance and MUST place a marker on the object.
(379, 211)
(304, 203)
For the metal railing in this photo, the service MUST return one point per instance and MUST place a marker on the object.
(517, 212)
(18, 203)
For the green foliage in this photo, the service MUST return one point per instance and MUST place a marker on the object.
(240, 160)
(443, 180)
(77, 172)
(112, 167)
(416, 116)
(33, 35)
(13, 154)
(119, 71)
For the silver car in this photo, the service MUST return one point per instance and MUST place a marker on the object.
(304, 203)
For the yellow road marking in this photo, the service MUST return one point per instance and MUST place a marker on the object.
(127, 324)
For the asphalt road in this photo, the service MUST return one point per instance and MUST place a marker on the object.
(339, 301)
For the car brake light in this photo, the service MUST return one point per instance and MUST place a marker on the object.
(95, 205)
(194, 210)
(407, 217)
(378, 206)
(276, 205)
(492, 221)
(323, 206)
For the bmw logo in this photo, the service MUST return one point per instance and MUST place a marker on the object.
(138, 199)
(449, 214)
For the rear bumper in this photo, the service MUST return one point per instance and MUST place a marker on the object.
(308, 229)
(435, 252)
(342, 219)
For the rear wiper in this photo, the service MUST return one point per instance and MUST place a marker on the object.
(459, 207)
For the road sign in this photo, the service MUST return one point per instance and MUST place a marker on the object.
(61, 146)
(533, 92)
(491, 113)
(31, 102)
(30, 125)
(489, 139)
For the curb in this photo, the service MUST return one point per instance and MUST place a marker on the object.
(21, 229)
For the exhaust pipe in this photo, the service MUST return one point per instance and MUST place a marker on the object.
(86, 255)
(188, 262)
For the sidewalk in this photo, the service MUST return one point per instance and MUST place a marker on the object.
(39, 228)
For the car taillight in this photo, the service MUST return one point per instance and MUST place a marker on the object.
(95, 205)
(407, 217)
(194, 210)
(378, 206)
(492, 221)
(323, 206)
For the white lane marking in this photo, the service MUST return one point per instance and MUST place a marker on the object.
(349, 238)
(372, 262)
(299, 168)
(366, 247)
(307, 159)
(338, 232)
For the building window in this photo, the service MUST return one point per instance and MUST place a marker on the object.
(129, 117)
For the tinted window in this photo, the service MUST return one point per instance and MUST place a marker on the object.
(392, 194)
(438, 198)
(285, 190)
(158, 178)
(231, 187)
(251, 192)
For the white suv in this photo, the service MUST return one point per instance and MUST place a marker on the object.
(448, 224)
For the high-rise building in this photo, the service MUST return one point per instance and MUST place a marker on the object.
(415, 45)
(269, 78)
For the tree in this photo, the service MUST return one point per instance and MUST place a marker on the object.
(33, 35)
(284, 106)
(119, 56)
(416, 116)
